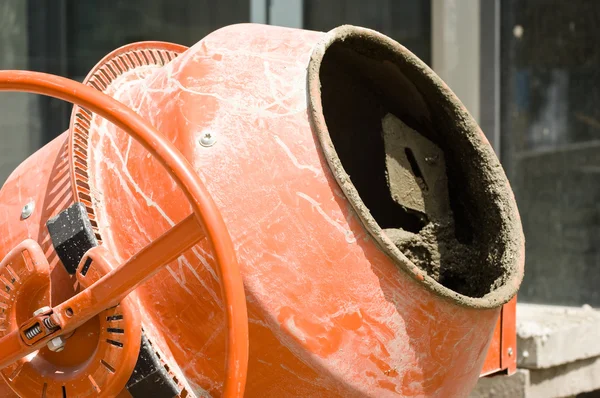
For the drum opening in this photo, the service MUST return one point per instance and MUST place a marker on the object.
(413, 164)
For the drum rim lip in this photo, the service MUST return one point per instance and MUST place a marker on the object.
(514, 272)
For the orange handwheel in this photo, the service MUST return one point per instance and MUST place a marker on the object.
(115, 281)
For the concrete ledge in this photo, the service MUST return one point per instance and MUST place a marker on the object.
(566, 380)
(558, 355)
(549, 336)
(514, 386)
(558, 382)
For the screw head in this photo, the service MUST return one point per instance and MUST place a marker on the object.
(27, 210)
(208, 138)
(510, 351)
(57, 344)
(40, 311)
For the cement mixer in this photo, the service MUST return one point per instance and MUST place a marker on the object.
(272, 212)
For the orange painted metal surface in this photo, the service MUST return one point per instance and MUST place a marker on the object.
(44, 179)
(330, 314)
(509, 337)
(77, 365)
(501, 356)
(493, 362)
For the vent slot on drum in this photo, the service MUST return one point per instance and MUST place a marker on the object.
(101, 78)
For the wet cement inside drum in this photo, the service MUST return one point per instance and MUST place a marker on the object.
(464, 249)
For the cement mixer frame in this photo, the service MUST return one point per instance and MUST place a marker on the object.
(108, 283)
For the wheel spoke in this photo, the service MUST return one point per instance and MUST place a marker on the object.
(113, 287)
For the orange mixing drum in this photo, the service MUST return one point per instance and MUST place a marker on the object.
(272, 212)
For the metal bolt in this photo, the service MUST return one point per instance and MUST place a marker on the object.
(510, 351)
(40, 311)
(27, 210)
(57, 344)
(208, 139)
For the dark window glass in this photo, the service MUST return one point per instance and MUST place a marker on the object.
(68, 37)
(100, 27)
(406, 21)
(550, 58)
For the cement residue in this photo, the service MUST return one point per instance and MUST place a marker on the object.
(419, 185)
(356, 77)
(436, 250)
(415, 169)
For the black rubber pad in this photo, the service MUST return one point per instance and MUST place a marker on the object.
(72, 235)
(150, 378)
